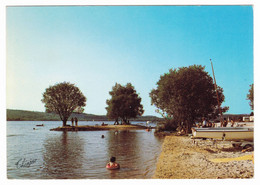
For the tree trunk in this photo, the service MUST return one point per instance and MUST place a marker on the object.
(116, 122)
(188, 124)
(64, 122)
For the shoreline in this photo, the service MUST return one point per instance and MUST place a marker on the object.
(100, 128)
(180, 158)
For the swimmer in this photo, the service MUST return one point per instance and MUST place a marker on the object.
(112, 165)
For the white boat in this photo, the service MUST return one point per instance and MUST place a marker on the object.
(224, 133)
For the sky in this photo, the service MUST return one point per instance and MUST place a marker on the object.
(95, 47)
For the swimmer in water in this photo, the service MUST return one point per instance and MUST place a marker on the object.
(112, 164)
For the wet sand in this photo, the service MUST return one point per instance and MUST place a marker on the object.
(182, 159)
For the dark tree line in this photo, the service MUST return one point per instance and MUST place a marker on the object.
(186, 94)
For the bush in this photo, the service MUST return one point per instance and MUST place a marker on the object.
(166, 125)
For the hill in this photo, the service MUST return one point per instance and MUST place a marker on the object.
(23, 115)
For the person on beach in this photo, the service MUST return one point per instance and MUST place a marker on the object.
(76, 121)
(232, 123)
(204, 122)
(72, 121)
(225, 122)
(209, 124)
(112, 164)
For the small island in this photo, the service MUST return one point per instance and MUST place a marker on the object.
(100, 127)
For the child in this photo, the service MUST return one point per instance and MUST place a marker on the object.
(112, 164)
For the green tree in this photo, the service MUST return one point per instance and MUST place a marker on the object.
(124, 103)
(187, 94)
(63, 99)
(250, 96)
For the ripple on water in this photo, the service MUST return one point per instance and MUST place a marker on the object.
(81, 154)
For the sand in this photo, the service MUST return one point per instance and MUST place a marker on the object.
(99, 127)
(181, 158)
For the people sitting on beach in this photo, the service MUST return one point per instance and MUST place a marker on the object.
(209, 124)
(112, 164)
(232, 123)
(181, 130)
(198, 124)
(204, 122)
(225, 122)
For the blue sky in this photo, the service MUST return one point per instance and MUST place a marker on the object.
(96, 46)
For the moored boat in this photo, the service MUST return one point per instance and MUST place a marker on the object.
(224, 133)
(40, 125)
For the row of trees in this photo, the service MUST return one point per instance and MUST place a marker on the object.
(65, 98)
(184, 95)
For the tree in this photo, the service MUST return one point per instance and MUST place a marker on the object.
(250, 96)
(63, 99)
(124, 103)
(187, 94)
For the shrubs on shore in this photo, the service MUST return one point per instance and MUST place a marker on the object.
(166, 125)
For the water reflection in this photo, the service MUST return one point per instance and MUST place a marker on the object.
(63, 155)
(130, 148)
(80, 155)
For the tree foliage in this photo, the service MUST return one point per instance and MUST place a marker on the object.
(250, 96)
(124, 103)
(63, 99)
(187, 94)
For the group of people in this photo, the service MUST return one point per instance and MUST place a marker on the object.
(76, 121)
(223, 123)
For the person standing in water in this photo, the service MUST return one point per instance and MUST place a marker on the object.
(76, 121)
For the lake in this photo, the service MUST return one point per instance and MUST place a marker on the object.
(45, 154)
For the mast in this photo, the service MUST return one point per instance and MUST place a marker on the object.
(215, 84)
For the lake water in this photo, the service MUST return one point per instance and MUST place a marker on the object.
(45, 154)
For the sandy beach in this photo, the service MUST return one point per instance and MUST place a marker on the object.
(181, 158)
(99, 127)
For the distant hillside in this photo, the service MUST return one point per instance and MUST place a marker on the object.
(22, 115)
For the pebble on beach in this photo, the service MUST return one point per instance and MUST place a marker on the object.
(182, 159)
